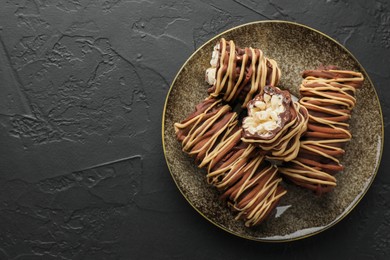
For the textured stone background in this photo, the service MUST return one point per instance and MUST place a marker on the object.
(83, 83)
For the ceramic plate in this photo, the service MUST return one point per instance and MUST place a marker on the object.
(300, 213)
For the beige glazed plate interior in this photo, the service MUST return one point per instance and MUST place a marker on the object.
(300, 213)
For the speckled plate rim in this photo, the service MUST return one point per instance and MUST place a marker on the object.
(353, 203)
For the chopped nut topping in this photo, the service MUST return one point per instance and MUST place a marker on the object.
(214, 56)
(211, 76)
(263, 115)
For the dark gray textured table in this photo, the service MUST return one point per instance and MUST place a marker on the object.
(82, 89)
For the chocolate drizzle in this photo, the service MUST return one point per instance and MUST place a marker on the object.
(306, 137)
(241, 73)
(328, 94)
(249, 184)
(283, 141)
